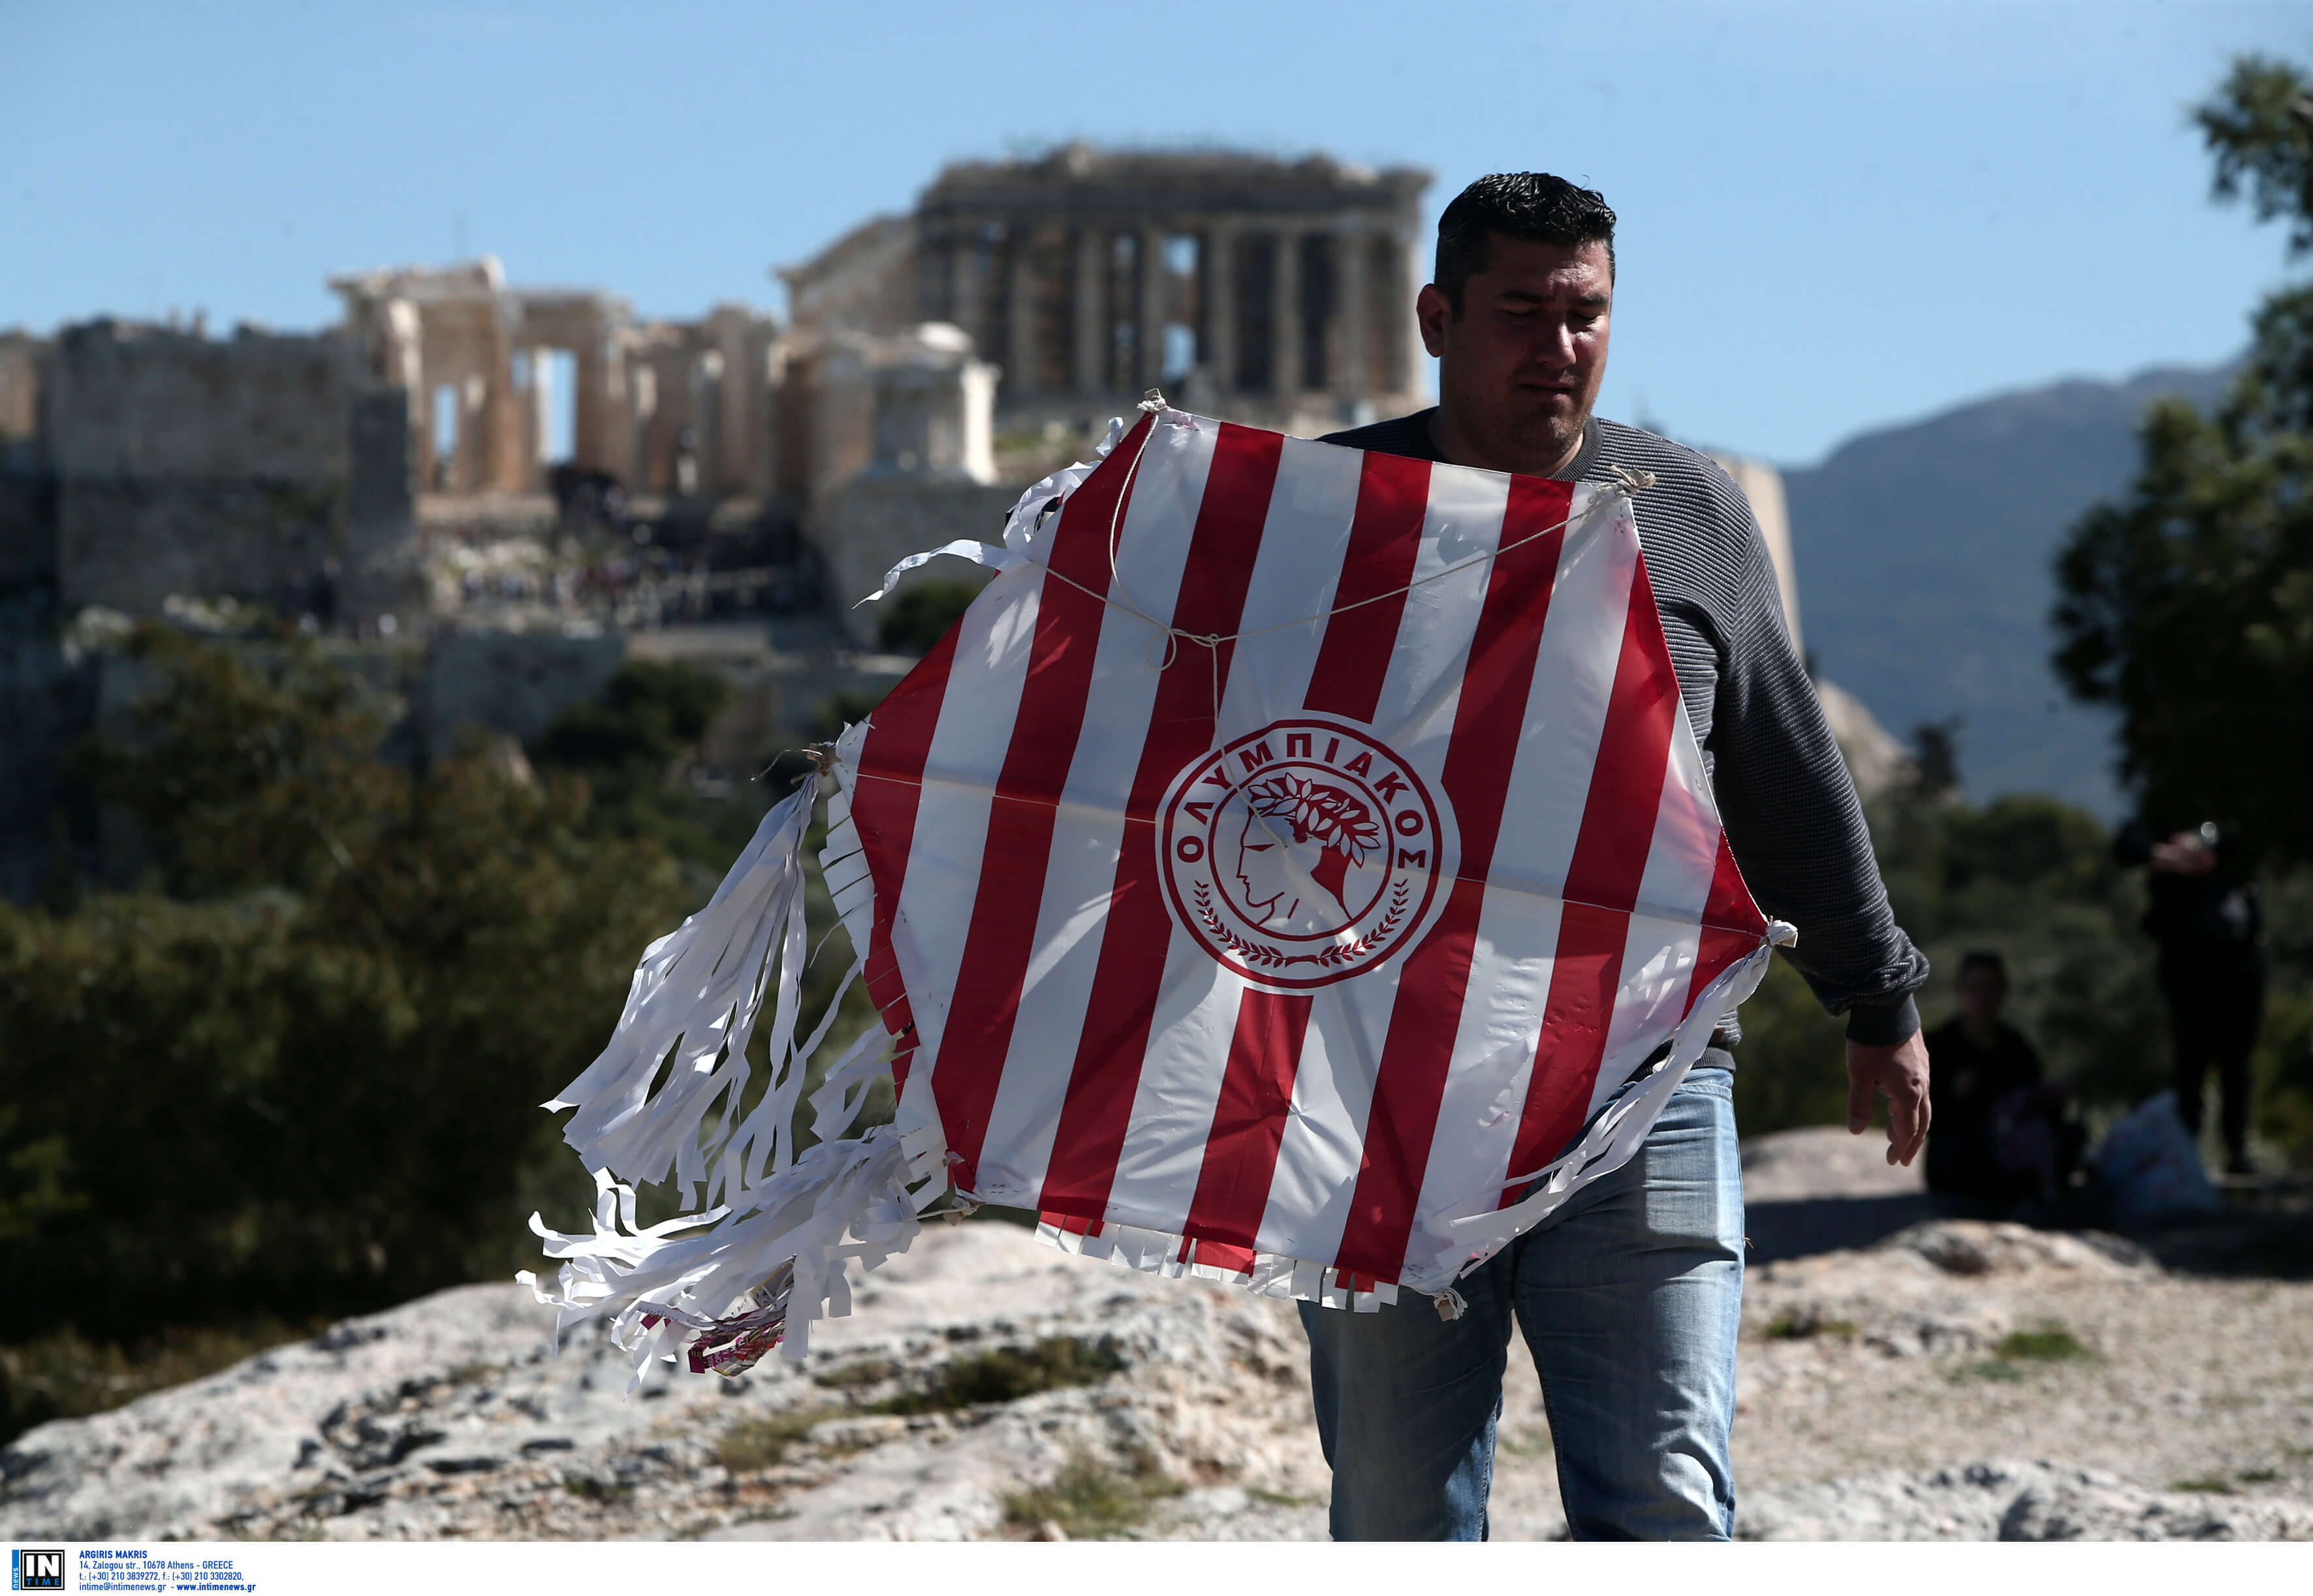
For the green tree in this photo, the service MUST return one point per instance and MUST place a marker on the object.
(2025, 876)
(298, 1074)
(2188, 606)
(257, 768)
(651, 714)
(633, 746)
(920, 616)
(306, 1077)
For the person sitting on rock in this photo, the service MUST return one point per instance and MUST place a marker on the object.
(1997, 1132)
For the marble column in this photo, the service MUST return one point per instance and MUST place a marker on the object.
(1149, 317)
(1088, 363)
(1397, 336)
(501, 456)
(1218, 296)
(605, 419)
(1352, 311)
(1285, 353)
(1019, 314)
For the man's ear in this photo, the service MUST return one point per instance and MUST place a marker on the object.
(1432, 310)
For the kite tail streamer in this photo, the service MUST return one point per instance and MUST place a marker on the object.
(664, 1098)
(690, 1014)
(737, 1281)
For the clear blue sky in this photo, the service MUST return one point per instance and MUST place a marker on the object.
(1833, 215)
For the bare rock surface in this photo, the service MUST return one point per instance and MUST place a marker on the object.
(1823, 1161)
(2013, 1500)
(449, 1417)
(1954, 1380)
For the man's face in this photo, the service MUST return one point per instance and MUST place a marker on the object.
(1519, 368)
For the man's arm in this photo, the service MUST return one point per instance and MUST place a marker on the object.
(1796, 830)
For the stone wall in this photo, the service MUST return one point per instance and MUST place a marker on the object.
(128, 401)
(28, 529)
(511, 683)
(266, 466)
(870, 525)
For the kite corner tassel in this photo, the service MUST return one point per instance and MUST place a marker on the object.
(732, 1284)
(736, 1279)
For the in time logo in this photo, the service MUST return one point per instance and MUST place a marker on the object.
(41, 1570)
(1305, 853)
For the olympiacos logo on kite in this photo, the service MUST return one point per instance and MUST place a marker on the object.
(1304, 853)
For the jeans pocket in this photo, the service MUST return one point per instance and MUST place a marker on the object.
(1707, 1079)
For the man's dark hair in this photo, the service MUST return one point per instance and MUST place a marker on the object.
(1527, 205)
(1983, 958)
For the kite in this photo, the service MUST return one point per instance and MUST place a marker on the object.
(1296, 869)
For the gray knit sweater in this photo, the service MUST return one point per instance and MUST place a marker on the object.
(1783, 791)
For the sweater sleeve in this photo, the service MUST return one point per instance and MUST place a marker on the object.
(1793, 819)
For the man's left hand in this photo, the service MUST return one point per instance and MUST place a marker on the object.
(1899, 1074)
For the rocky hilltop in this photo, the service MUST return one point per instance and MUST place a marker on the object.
(1954, 1380)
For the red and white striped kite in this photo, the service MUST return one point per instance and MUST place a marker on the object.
(1286, 856)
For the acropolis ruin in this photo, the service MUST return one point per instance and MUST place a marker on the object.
(676, 405)
(1270, 291)
(511, 488)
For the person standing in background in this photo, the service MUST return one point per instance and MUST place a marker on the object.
(2210, 923)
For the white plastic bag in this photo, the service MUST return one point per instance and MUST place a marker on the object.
(2150, 1165)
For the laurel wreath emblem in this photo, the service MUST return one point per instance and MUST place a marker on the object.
(1262, 956)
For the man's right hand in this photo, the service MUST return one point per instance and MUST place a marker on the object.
(1899, 1074)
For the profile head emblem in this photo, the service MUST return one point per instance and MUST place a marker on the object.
(1305, 853)
(1299, 833)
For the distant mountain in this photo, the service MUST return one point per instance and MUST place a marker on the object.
(1925, 561)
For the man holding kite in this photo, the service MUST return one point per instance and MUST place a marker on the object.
(1630, 1297)
(1318, 869)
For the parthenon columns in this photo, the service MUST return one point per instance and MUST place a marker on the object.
(1019, 356)
(1089, 260)
(1219, 266)
(1355, 323)
(1149, 315)
(601, 421)
(1081, 311)
(1287, 377)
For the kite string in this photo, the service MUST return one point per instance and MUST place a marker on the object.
(1628, 483)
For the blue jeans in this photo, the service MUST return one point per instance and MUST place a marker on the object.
(1631, 1298)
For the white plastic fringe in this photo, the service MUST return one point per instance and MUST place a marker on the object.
(696, 995)
(736, 1281)
(1272, 1274)
(781, 1225)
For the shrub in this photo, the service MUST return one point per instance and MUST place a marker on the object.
(920, 614)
